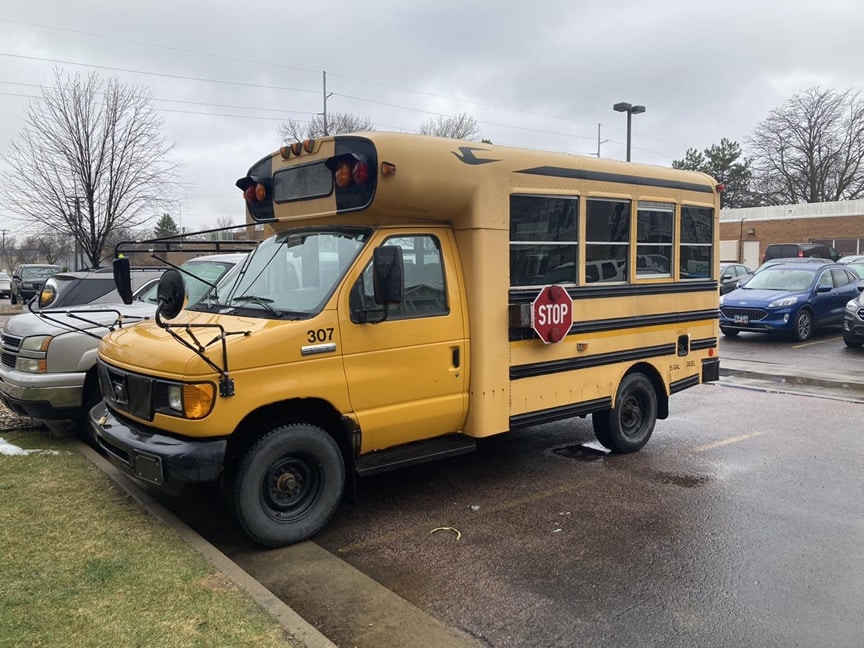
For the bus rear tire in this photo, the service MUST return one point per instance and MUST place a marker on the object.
(629, 424)
(287, 486)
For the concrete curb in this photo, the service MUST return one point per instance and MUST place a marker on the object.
(293, 624)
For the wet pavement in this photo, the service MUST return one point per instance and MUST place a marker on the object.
(738, 525)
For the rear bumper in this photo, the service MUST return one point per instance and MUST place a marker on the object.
(165, 461)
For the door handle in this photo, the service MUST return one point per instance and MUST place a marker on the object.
(456, 358)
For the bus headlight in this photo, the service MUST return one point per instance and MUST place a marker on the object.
(175, 397)
(189, 400)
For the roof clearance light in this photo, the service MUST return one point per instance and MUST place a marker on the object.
(285, 152)
(721, 186)
(296, 148)
(249, 194)
(309, 145)
(260, 192)
(360, 173)
(342, 176)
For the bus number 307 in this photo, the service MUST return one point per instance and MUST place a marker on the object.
(320, 335)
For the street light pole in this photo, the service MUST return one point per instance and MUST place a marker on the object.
(631, 110)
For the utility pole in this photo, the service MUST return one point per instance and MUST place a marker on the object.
(4, 245)
(78, 251)
(325, 103)
(599, 142)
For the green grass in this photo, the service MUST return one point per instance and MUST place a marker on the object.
(81, 564)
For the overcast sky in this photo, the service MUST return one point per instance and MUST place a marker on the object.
(540, 74)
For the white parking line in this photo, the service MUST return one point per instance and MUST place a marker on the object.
(735, 439)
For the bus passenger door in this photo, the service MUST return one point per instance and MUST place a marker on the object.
(406, 375)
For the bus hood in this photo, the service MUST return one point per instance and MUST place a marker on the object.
(250, 343)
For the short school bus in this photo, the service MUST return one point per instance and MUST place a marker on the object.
(417, 293)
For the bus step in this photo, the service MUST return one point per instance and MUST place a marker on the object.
(414, 453)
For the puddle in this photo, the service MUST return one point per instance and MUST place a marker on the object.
(684, 480)
(590, 451)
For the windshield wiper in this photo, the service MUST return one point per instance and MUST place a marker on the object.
(261, 301)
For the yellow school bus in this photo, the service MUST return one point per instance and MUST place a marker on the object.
(417, 293)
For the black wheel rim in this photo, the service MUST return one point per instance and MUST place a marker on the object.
(290, 487)
(633, 415)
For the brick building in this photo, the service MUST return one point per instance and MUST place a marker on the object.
(746, 232)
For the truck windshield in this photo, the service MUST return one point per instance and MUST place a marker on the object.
(293, 273)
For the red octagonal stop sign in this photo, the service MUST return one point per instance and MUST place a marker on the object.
(552, 314)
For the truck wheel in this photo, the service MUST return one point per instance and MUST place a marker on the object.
(287, 486)
(629, 424)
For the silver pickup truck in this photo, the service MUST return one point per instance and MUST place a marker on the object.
(48, 361)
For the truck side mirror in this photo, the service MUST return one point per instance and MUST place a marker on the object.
(388, 274)
(123, 279)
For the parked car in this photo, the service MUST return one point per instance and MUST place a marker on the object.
(853, 322)
(852, 258)
(731, 275)
(777, 250)
(857, 266)
(5, 285)
(48, 362)
(791, 299)
(28, 279)
(782, 260)
(66, 289)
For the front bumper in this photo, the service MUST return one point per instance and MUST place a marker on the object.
(51, 396)
(775, 321)
(159, 459)
(853, 327)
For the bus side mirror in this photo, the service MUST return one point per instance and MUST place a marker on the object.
(388, 276)
(123, 279)
(170, 295)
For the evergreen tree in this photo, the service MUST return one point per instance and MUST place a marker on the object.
(166, 226)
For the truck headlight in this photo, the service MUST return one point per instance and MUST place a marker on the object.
(31, 365)
(175, 397)
(35, 343)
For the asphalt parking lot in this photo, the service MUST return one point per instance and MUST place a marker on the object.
(739, 524)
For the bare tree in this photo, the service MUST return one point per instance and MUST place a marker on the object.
(811, 149)
(461, 126)
(337, 123)
(52, 246)
(90, 158)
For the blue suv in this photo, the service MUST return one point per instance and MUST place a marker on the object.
(792, 299)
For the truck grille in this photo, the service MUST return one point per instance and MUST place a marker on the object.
(11, 345)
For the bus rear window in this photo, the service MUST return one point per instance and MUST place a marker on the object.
(302, 182)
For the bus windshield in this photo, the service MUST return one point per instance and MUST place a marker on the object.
(291, 274)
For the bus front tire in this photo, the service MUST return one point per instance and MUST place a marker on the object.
(287, 485)
(629, 424)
